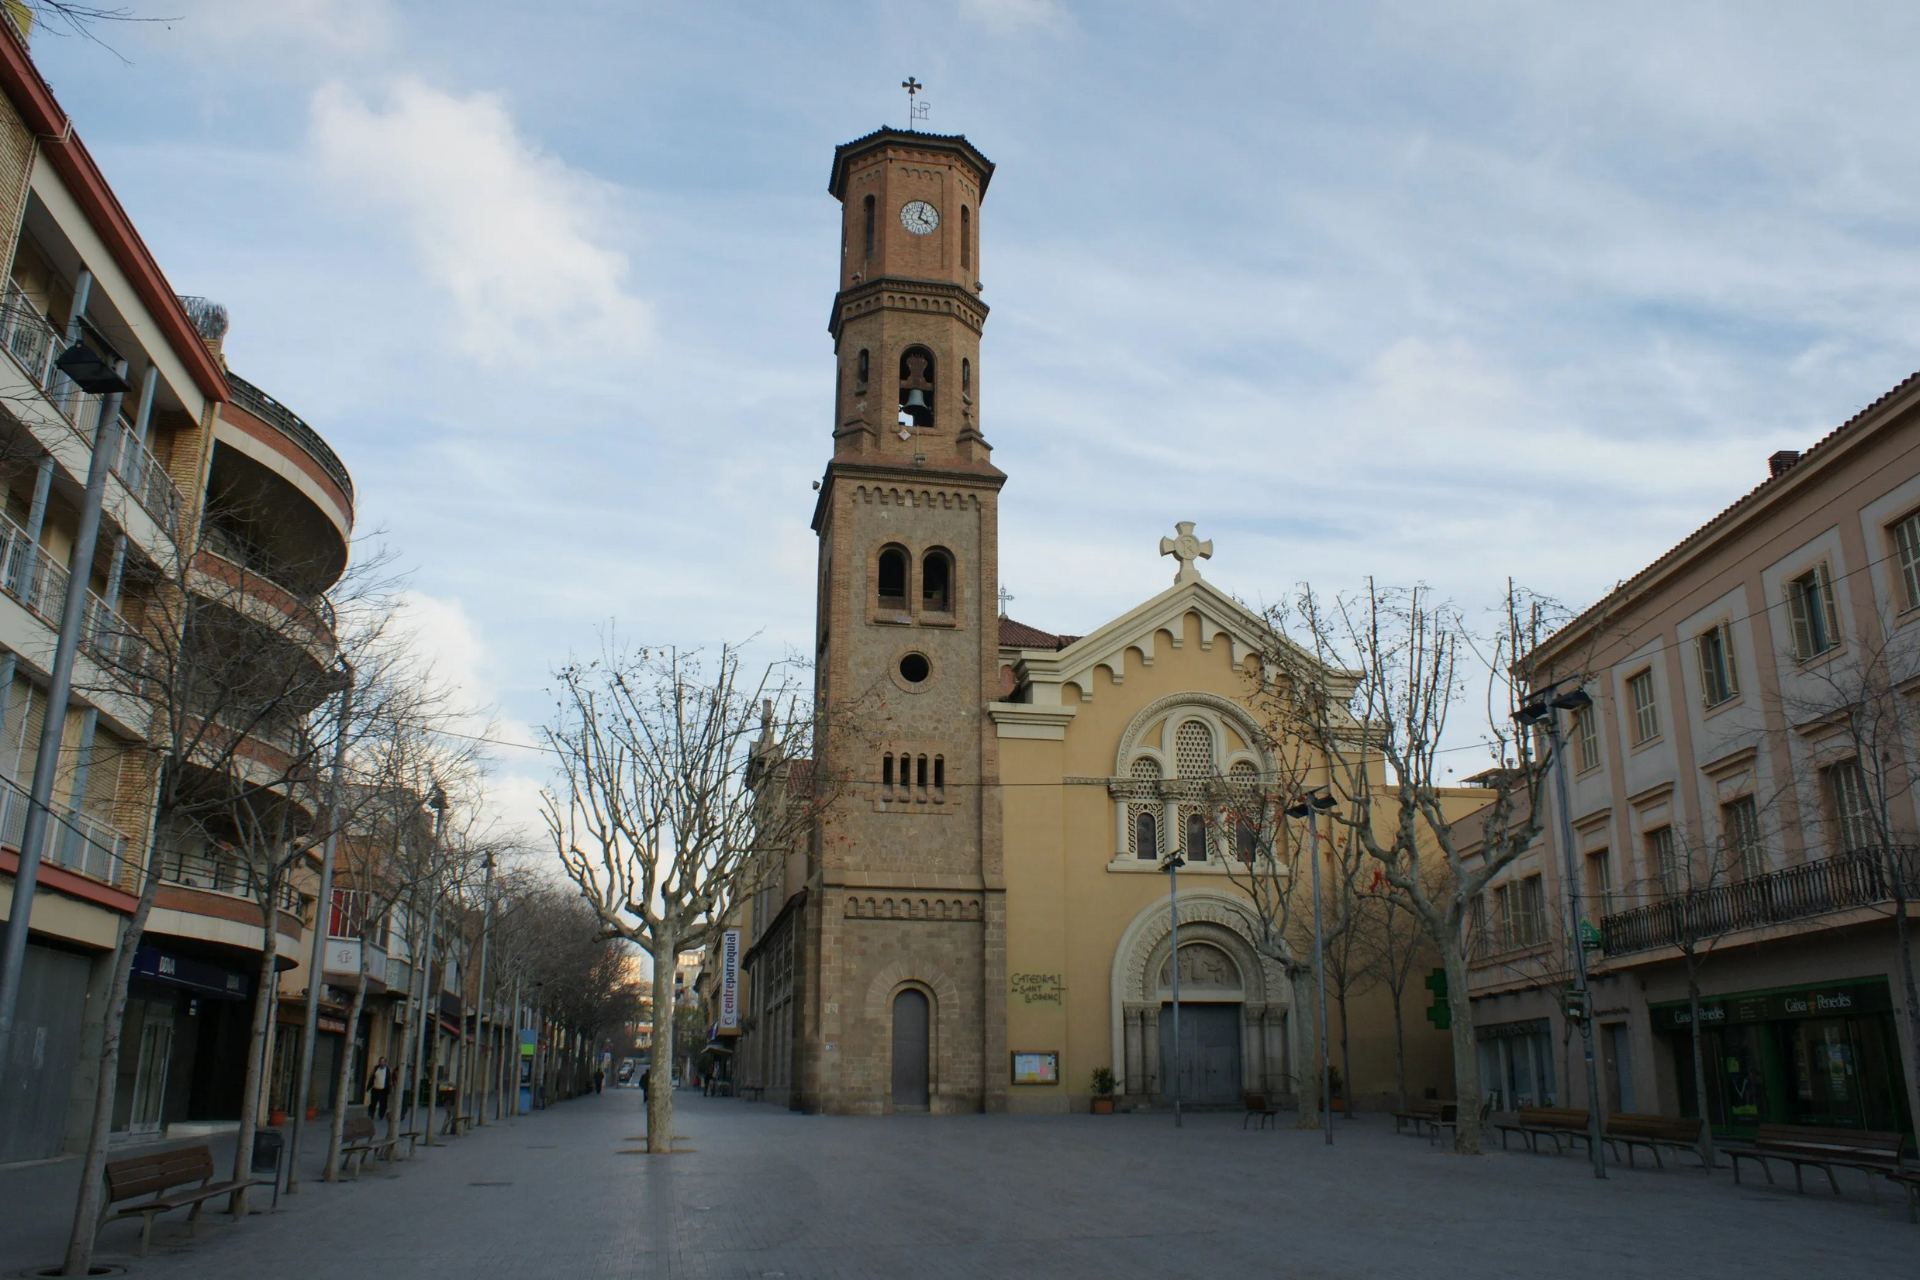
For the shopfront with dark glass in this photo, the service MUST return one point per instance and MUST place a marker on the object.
(1825, 1055)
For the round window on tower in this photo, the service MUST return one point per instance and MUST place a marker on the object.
(915, 669)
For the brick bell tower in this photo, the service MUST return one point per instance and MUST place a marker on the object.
(904, 974)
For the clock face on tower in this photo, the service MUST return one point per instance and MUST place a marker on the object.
(919, 217)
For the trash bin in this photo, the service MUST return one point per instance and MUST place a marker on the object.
(268, 1148)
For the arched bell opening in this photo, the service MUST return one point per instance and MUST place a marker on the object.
(916, 387)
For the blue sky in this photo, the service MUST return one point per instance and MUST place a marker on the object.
(1434, 292)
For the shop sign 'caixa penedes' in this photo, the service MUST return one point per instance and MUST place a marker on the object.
(1835, 1000)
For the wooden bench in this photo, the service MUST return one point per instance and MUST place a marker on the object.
(457, 1124)
(1423, 1114)
(361, 1138)
(1909, 1182)
(1563, 1124)
(1824, 1149)
(1260, 1105)
(1631, 1129)
(174, 1179)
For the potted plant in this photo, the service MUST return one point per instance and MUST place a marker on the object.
(1103, 1091)
(276, 1117)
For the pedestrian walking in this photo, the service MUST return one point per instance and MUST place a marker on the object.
(378, 1082)
(599, 1078)
(646, 1086)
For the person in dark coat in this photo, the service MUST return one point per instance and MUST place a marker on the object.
(599, 1078)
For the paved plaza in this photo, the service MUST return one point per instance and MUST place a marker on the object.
(766, 1193)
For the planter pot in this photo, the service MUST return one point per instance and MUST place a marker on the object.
(276, 1118)
(1103, 1106)
(313, 1113)
(1338, 1104)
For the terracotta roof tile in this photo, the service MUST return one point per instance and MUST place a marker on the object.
(1018, 635)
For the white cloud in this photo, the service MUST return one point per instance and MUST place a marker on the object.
(516, 239)
(458, 660)
(333, 26)
(1008, 16)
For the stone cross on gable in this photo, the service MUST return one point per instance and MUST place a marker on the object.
(1186, 548)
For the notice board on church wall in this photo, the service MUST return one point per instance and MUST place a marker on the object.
(1036, 1068)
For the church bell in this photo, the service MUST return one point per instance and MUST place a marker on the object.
(916, 407)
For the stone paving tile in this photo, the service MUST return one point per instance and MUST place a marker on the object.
(767, 1193)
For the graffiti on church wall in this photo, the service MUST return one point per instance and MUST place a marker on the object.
(1038, 988)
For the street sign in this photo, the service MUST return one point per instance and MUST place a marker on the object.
(1440, 1013)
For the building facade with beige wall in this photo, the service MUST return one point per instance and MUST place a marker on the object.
(980, 919)
(1742, 789)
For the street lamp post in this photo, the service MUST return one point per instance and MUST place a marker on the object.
(1172, 867)
(429, 998)
(1317, 802)
(1545, 709)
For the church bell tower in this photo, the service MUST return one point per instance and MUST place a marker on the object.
(904, 971)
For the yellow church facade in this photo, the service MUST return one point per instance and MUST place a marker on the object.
(980, 917)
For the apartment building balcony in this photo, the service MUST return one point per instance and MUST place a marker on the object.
(255, 578)
(73, 840)
(277, 485)
(210, 897)
(72, 417)
(1825, 887)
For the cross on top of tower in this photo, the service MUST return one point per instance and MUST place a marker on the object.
(1186, 548)
(916, 110)
(1006, 598)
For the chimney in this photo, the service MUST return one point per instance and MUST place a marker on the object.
(1777, 464)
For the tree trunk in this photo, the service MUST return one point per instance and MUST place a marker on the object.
(86, 1214)
(666, 954)
(257, 1040)
(1346, 1058)
(1399, 1051)
(343, 1078)
(1466, 1054)
(1903, 947)
(1306, 1043)
(1699, 1060)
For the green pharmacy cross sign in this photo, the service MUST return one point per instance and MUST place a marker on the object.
(1440, 1014)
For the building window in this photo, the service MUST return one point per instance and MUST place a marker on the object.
(966, 238)
(966, 378)
(1718, 681)
(1146, 836)
(916, 387)
(1520, 907)
(920, 774)
(939, 777)
(1586, 739)
(1646, 713)
(1906, 543)
(1848, 806)
(1196, 843)
(936, 577)
(1663, 861)
(1143, 819)
(860, 367)
(1811, 611)
(1740, 831)
(886, 771)
(892, 590)
(1600, 882)
(868, 204)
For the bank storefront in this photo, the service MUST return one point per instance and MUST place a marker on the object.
(1826, 1055)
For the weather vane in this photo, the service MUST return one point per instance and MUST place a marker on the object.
(916, 111)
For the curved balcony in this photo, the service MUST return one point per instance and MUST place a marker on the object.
(240, 566)
(273, 436)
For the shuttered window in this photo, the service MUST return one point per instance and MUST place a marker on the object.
(1814, 620)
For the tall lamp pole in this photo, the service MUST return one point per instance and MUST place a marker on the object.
(1544, 709)
(429, 998)
(1172, 867)
(1317, 802)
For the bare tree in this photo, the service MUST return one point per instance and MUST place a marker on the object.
(1367, 684)
(234, 673)
(654, 817)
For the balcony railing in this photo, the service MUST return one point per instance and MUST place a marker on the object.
(1856, 879)
(224, 873)
(255, 559)
(73, 840)
(35, 345)
(38, 581)
(267, 409)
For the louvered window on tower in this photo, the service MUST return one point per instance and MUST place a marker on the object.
(886, 771)
(916, 387)
(936, 582)
(891, 587)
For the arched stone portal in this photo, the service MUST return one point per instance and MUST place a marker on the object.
(1236, 1035)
